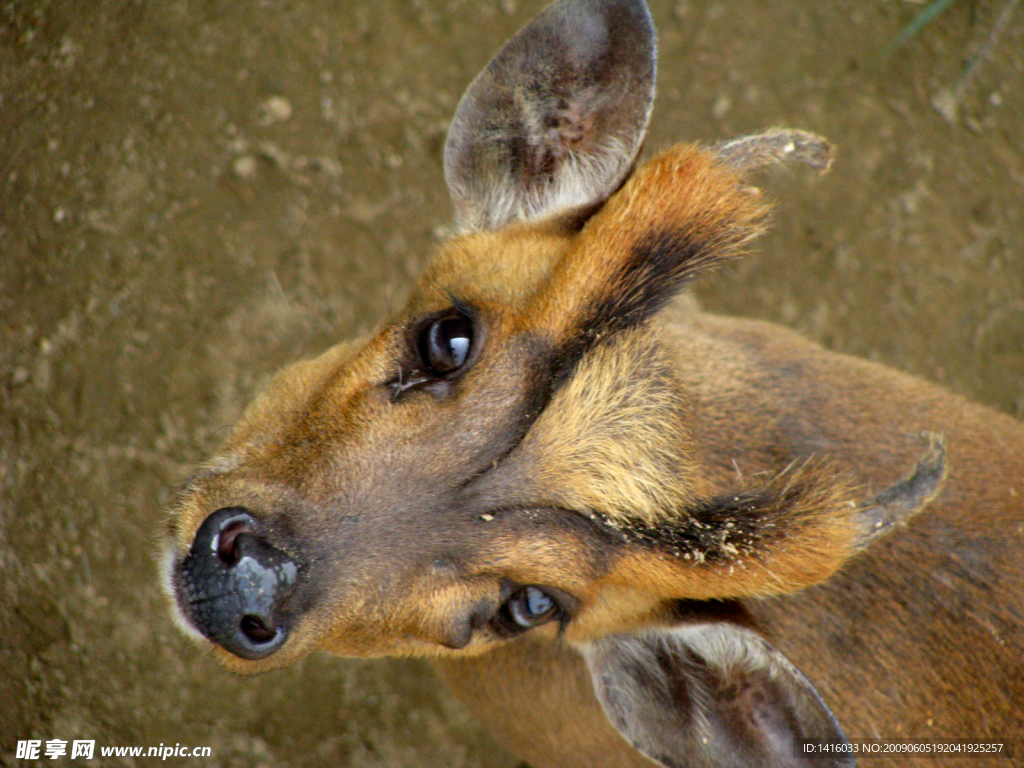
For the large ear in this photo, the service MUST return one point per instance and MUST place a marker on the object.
(712, 695)
(555, 121)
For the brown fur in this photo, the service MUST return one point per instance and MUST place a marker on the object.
(920, 636)
(732, 404)
(645, 465)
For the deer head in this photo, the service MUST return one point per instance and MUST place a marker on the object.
(510, 453)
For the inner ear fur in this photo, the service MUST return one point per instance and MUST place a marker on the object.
(554, 122)
(711, 694)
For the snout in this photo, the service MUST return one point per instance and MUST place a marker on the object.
(234, 585)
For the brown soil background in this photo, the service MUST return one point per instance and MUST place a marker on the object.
(196, 192)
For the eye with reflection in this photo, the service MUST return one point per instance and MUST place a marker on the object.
(526, 608)
(445, 343)
(442, 347)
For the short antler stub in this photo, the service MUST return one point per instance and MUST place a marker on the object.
(900, 502)
(778, 145)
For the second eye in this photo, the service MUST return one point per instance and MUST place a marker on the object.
(444, 345)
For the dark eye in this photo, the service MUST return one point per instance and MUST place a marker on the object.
(445, 344)
(529, 607)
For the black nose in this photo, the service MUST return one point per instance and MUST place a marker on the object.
(236, 583)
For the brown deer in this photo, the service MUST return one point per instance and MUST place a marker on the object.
(627, 535)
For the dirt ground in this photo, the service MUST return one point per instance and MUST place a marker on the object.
(196, 192)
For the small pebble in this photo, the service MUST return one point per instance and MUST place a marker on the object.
(244, 167)
(276, 109)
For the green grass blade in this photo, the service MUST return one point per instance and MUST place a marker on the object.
(922, 20)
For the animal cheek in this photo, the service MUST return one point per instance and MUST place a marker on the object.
(612, 609)
(429, 617)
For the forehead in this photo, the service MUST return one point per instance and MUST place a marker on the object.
(503, 267)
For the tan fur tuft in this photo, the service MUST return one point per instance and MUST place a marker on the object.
(621, 396)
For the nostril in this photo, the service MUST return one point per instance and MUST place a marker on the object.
(227, 541)
(255, 628)
(217, 537)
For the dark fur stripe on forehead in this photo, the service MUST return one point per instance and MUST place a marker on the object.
(719, 530)
(659, 266)
(679, 213)
(751, 523)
